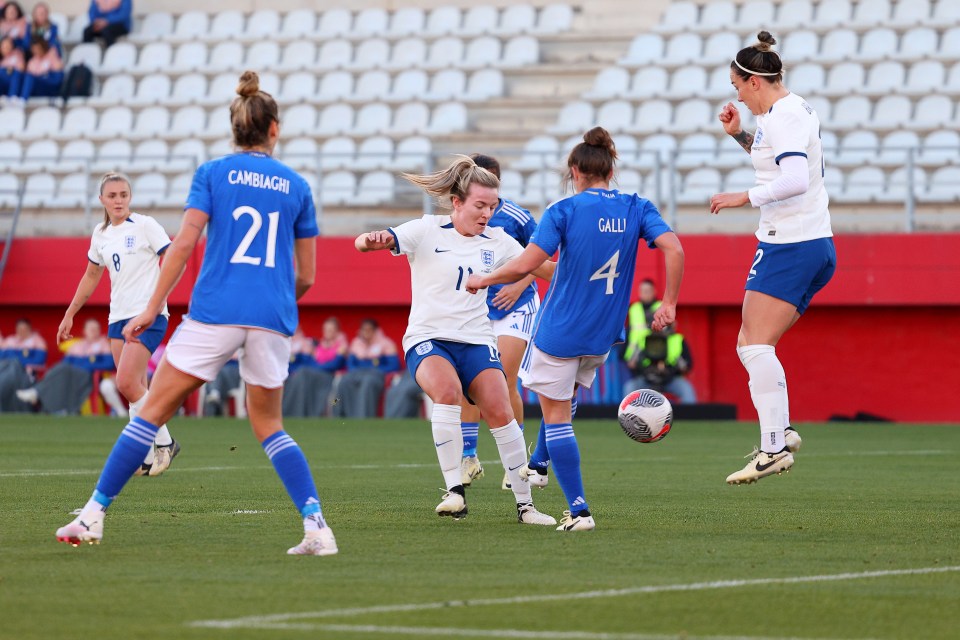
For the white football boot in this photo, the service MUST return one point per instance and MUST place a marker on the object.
(583, 522)
(535, 476)
(80, 531)
(316, 543)
(793, 439)
(453, 504)
(470, 470)
(761, 465)
(528, 514)
(163, 457)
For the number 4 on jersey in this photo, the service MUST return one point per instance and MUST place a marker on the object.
(608, 272)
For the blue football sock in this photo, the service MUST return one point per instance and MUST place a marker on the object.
(573, 407)
(291, 466)
(540, 456)
(124, 459)
(470, 431)
(565, 455)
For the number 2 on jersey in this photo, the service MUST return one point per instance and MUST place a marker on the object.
(273, 220)
(608, 272)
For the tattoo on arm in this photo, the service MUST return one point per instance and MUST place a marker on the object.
(745, 139)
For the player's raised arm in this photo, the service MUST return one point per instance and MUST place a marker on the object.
(305, 259)
(730, 119)
(532, 260)
(673, 256)
(171, 270)
(375, 241)
(88, 284)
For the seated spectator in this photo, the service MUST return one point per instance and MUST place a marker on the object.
(371, 356)
(661, 363)
(307, 390)
(14, 23)
(12, 63)
(40, 28)
(68, 384)
(226, 385)
(297, 391)
(109, 19)
(404, 398)
(22, 356)
(43, 76)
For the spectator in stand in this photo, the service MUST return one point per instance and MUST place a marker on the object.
(41, 28)
(297, 391)
(109, 19)
(14, 23)
(404, 398)
(22, 355)
(306, 393)
(68, 383)
(44, 74)
(372, 356)
(226, 385)
(12, 63)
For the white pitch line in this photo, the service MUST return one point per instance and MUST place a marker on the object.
(40, 473)
(251, 621)
(35, 473)
(455, 632)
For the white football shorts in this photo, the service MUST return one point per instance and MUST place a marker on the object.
(201, 350)
(519, 322)
(556, 378)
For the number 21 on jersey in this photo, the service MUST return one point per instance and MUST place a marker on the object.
(608, 272)
(273, 221)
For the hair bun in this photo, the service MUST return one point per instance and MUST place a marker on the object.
(600, 137)
(765, 41)
(249, 84)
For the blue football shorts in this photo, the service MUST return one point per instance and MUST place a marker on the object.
(151, 338)
(467, 359)
(793, 272)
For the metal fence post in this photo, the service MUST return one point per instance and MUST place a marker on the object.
(88, 195)
(910, 202)
(428, 203)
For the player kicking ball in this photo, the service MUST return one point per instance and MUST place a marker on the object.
(450, 346)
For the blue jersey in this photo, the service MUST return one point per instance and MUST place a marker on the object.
(257, 207)
(519, 225)
(597, 232)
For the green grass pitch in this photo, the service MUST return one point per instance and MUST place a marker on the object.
(860, 540)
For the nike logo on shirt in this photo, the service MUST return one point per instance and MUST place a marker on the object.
(439, 250)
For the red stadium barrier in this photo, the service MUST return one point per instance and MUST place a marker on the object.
(882, 337)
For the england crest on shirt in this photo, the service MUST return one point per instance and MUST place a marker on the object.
(487, 257)
(129, 242)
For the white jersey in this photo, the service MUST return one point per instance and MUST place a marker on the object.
(441, 260)
(791, 128)
(130, 252)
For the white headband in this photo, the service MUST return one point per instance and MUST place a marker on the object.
(755, 73)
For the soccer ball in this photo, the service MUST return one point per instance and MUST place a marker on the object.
(645, 415)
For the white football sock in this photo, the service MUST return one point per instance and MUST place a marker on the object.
(108, 391)
(448, 441)
(93, 510)
(768, 389)
(513, 455)
(163, 434)
(314, 522)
